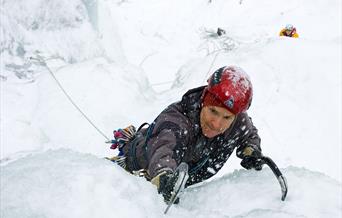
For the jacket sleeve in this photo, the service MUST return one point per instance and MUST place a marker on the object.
(248, 135)
(166, 145)
(295, 35)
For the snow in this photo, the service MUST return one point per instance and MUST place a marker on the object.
(122, 62)
(64, 183)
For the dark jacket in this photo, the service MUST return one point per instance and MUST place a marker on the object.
(175, 136)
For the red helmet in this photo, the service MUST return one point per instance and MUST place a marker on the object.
(231, 86)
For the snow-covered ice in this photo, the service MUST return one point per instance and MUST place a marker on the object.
(64, 183)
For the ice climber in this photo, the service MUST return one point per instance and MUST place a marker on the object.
(202, 130)
(289, 31)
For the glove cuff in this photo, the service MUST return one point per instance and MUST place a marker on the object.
(156, 180)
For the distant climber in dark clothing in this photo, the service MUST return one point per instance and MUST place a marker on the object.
(220, 32)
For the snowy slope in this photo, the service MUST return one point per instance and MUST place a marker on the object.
(123, 61)
(63, 183)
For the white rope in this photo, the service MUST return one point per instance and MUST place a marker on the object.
(43, 63)
(211, 65)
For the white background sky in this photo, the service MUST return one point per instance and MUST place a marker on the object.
(123, 62)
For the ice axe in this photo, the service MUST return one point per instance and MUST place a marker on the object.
(281, 179)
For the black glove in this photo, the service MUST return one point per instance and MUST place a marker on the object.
(253, 160)
(166, 185)
(166, 181)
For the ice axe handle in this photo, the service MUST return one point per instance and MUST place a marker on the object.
(281, 179)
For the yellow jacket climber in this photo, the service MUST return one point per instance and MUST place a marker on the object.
(289, 31)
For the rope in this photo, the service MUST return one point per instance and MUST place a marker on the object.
(43, 63)
(211, 65)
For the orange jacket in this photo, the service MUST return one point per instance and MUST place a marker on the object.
(293, 33)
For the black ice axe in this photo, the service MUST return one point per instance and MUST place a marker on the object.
(281, 179)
